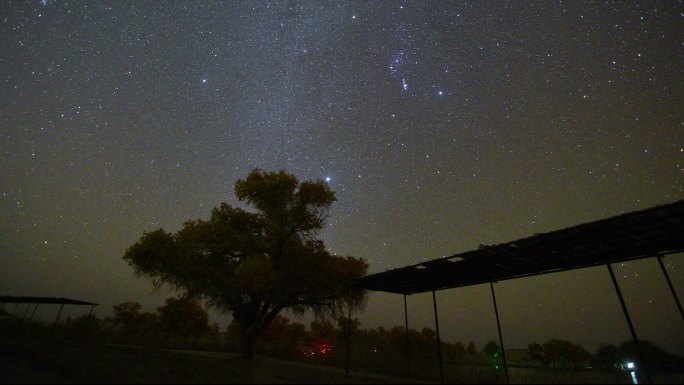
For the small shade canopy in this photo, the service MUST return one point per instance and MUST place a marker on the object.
(44, 300)
(652, 232)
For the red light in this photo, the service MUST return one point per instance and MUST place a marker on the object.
(323, 349)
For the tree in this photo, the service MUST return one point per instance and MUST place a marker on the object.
(657, 359)
(343, 325)
(471, 349)
(454, 351)
(254, 264)
(428, 333)
(459, 349)
(184, 317)
(607, 357)
(562, 353)
(559, 354)
(86, 327)
(322, 331)
(128, 319)
(536, 352)
(491, 348)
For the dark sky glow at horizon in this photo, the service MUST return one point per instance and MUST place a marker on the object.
(440, 125)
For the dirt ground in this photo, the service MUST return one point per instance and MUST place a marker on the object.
(62, 362)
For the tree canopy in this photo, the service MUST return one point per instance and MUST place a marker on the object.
(256, 263)
(557, 353)
(184, 317)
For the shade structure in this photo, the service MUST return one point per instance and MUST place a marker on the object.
(647, 233)
(44, 300)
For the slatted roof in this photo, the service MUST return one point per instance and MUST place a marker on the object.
(640, 234)
(44, 300)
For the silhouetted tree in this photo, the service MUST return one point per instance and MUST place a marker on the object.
(559, 354)
(491, 348)
(184, 317)
(343, 325)
(428, 333)
(283, 339)
(254, 264)
(536, 352)
(657, 359)
(471, 349)
(322, 331)
(459, 349)
(607, 357)
(128, 319)
(86, 327)
(454, 351)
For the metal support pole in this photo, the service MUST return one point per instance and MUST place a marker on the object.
(498, 326)
(58, 314)
(28, 306)
(629, 323)
(34, 312)
(349, 325)
(439, 341)
(15, 308)
(408, 344)
(91, 310)
(667, 277)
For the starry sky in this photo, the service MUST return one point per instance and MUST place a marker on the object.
(440, 125)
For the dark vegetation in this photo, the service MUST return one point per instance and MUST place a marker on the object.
(182, 325)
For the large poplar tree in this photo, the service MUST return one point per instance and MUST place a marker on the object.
(256, 263)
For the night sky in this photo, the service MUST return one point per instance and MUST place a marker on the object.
(440, 125)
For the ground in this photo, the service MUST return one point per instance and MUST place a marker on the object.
(68, 362)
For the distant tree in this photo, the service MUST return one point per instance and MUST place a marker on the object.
(323, 331)
(428, 333)
(128, 319)
(396, 338)
(471, 349)
(607, 357)
(182, 317)
(125, 315)
(657, 359)
(254, 264)
(86, 323)
(277, 329)
(284, 339)
(86, 327)
(491, 348)
(556, 353)
(561, 353)
(343, 325)
(459, 349)
(536, 352)
(453, 351)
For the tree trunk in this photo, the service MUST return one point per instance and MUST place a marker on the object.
(247, 343)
